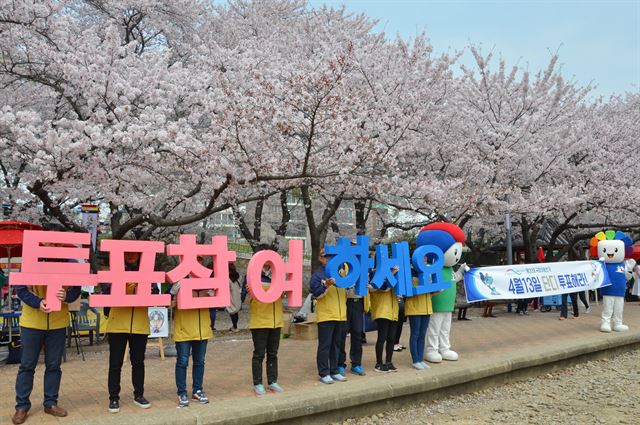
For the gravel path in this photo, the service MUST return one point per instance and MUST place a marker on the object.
(597, 392)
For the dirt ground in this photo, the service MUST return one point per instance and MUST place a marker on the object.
(597, 392)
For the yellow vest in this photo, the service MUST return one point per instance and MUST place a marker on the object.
(333, 305)
(265, 315)
(384, 305)
(34, 318)
(192, 325)
(129, 320)
(418, 305)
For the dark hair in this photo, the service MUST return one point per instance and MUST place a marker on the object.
(233, 272)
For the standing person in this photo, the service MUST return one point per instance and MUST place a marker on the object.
(354, 326)
(191, 333)
(235, 289)
(127, 325)
(385, 312)
(40, 327)
(521, 308)
(331, 310)
(265, 322)
(583, 298)
(418, 308)
(564, 307)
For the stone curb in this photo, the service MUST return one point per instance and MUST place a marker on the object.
(377, 393)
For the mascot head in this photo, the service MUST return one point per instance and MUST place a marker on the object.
(611, 245)
(446, 236)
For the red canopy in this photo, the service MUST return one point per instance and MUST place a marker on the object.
(11, 237)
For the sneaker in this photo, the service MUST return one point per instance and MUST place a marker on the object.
(338, 377)
(418, 366)
(358, 370)
(526, 313)
(397, 347)
(200, 397)
(426, 366)
(326, 379)
(342, 370)
(114, 406)
(183, 401)
(382, 368)
(391, 367)
(141, 402)
(561, 318)
(588, 310)
(259, 390)
(275, 388)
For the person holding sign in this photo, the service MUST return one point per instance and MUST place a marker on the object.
(418, 309)
(127, 325)
(331, 309)
(41, 324)
(385, 311)
(265, 323)
(191, 333)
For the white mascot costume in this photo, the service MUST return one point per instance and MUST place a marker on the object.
(449, 238)
(610, 247)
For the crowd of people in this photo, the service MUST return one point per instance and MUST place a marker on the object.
(339, 312)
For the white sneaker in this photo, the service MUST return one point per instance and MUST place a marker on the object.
(418, 366)
(605, 327)
(621, 328)
(338, 377)
(433, 357)
(449, 355)
(426, 366)
(326, 380)
(588, 310)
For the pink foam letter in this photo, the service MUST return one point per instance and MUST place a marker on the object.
(193, 276)
(285, 277)
(54, 274)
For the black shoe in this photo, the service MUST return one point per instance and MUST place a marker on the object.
(382, 368)
(141, 402)
(391, 367)
(114, 406)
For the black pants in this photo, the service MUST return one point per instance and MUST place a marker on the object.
(234, 320)
(265, 341)
(137, 347)
(328, 347)
(574, 304)
(386, 334)
(583, 298)
(354, 326)
(399, 323)
(522, 305)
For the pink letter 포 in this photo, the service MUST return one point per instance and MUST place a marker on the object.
(120, 278)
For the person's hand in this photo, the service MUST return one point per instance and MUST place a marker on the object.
(465, 267)
(329, 282)
(174, 302)
(395, 269)
(44, 307)
(61, 294)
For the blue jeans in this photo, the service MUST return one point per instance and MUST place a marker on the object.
(32, 342)
(198, 350)
(418, 325)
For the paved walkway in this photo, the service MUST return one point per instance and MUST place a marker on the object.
(228, 372)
